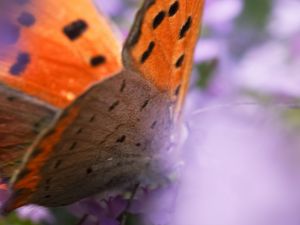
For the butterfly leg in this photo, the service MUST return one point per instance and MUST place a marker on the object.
(124, 216)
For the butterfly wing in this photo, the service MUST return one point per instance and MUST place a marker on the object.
(50, 53)
(104, 141)
(161, 44)
(21, 120)
(118, 129)
(60, 48)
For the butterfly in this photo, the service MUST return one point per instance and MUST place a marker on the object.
(91, 115)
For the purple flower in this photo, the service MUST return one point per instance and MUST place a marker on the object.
(112, 7)
(269, 69)
(207, 49)
(156, 205)
(104, 212)
(36, 214)
(284, 22)
(33, 213)
(220, 14)
(295, 46)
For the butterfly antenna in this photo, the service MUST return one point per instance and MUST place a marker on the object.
(229, 105)
(236, 104)
(222, 106)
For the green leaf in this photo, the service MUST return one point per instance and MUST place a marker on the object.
(13, 219)
(256, 13)
(136, 219)
(206, 71)
(64, 216)
(292, 117)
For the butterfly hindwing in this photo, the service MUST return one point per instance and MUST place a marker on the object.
(21, 120)
(112, 134)
(104, 141)
(58, 51)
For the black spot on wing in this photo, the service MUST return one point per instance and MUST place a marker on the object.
(11, 98)
(47, 196)
(26, 19)
(179, 61)
(79, 131)
(113, 106)
(22, 62)
(123, 86)
(89, 170)
(145, 104)
(177, 91)
(185, 28)
(92, 119)
(153, 125)
(148, 52)
(75, 29)
(173, 8)
(73, 146)
(97, 60)
(57, 164)
(121, 139)
(158, 19)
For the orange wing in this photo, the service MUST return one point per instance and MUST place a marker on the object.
(162, 41)
(61, 48)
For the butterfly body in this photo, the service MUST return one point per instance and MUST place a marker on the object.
(116, 132)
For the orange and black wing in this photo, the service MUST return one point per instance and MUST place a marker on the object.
(161, 43)
(57, 49)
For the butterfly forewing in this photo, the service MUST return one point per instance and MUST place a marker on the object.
(60, 48)
(162, 42)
